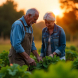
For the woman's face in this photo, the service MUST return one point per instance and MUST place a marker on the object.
(49, 24)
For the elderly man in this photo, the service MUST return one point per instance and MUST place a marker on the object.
(21, 38)
(53, 38)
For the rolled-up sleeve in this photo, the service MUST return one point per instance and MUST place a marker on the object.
(16, 38)
(33, 46)
(62, 42)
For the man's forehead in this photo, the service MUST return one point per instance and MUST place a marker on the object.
(36, 15)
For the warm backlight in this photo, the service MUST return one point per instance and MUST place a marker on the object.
(56, 12)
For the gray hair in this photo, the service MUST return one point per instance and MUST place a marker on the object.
(49, 16)
(32, 11)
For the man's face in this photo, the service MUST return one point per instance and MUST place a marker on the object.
(49, 24)
(32, 20)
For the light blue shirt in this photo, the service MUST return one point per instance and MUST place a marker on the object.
(18, 33)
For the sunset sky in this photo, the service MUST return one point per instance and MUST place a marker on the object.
(42, 6)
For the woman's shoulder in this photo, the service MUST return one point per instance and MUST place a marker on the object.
(59, 27)
(44, 29)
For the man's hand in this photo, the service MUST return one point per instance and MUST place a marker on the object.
(30, 61)
(39, 59)
(37, 56)
(27, 58)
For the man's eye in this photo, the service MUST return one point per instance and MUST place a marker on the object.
(35, 19)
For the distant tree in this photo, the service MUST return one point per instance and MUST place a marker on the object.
(38, 30)
(70, 18)
(8, 14)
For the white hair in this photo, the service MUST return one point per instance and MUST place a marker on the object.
(32, 11)
(49, 16)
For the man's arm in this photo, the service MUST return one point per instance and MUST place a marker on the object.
(27, 58)
(37, 55)
(34, 51)
(16, 38)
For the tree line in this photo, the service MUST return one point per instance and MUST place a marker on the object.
(69, 22)
(8, 14)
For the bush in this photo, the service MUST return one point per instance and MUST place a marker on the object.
(67, 47)
(59, 70)
(45, 63)
(73, 48)
(75, 64)
(70, 55)
(14, 71)
(4, 58)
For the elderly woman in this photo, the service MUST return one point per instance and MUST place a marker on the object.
(53, 38)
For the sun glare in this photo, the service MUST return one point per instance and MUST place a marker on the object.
(56, 12)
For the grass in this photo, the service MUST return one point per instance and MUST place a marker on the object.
(75, 43)
(38, 44)
(5, 45)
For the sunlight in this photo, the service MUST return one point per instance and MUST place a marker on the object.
(56, 12)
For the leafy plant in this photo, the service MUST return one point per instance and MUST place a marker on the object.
(71, 55)
(73, 48)
(67, 47)
(59, 70)
(45, 63)
(75, 64)
(39, 51)
(14, 71)
(1, 63)
(4, 58)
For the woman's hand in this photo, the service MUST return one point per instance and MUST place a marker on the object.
(51, 55)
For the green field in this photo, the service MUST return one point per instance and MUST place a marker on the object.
(6, 45)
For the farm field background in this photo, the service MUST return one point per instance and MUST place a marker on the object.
(5, 44)
(69, 68)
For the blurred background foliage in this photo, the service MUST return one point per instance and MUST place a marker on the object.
(8, 14)
(69, 22)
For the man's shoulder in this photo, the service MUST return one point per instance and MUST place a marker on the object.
(17, 22)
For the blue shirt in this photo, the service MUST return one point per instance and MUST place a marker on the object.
(58, 41)
(18, 33)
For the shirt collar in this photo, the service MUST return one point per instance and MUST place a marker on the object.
(23, 19)
(55, 28)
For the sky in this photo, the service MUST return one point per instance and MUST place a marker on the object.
(42, 6)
